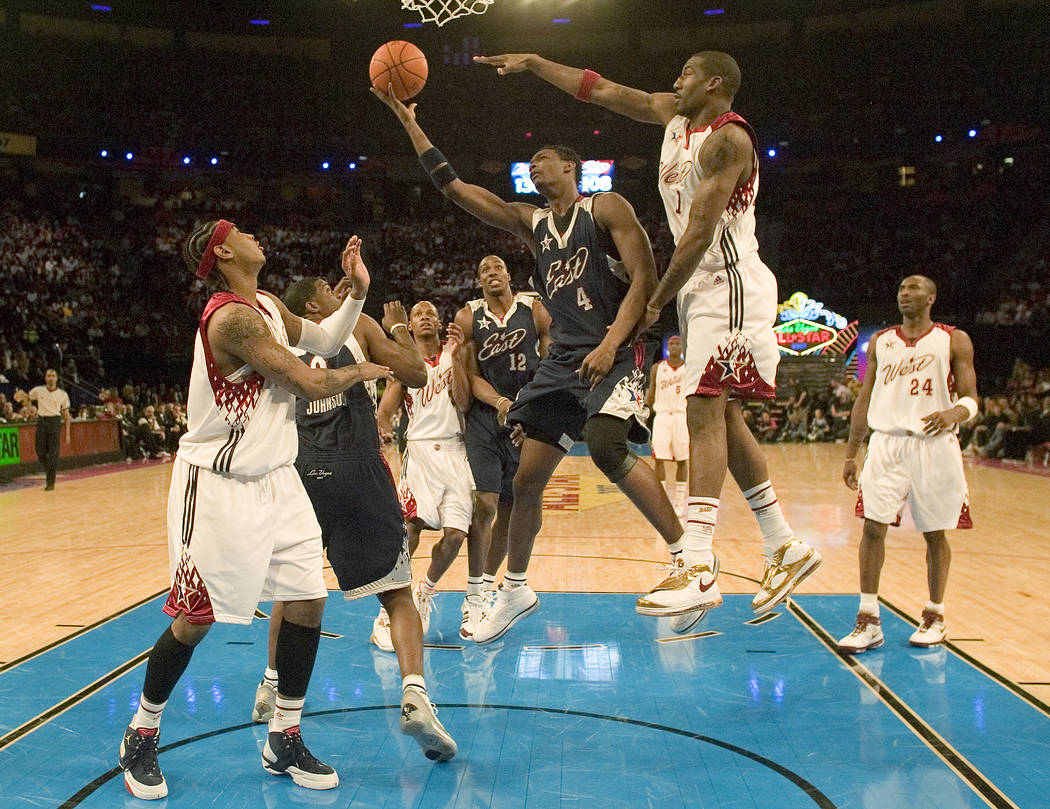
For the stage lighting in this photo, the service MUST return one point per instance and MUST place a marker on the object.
(186, 160)
(772, 153)
(214, 161)
(128, 156)
(104, 153)
(324, 165)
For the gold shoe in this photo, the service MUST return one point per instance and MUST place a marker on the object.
(791, 563)
(685, 590)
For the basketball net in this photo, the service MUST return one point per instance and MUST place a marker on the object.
(441, 11)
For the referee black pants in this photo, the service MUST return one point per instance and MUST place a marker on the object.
(48, 433)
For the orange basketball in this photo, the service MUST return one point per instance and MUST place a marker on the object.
(399, 67)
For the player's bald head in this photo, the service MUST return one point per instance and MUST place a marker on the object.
(928, 285)
(718, 63)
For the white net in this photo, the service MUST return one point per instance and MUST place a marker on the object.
(442, 11)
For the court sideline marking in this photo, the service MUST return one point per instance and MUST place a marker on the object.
(981, 785)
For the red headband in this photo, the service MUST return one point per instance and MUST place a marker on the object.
(207, 261)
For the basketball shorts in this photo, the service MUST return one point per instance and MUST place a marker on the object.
(436, 486)
(726, 318)
(234, 541)
(361, 525)
(492, 455)
(670, 437)
(926, 473)
(556, 403)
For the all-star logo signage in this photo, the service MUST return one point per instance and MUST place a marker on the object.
(805, 326)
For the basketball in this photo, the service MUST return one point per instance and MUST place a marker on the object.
(399, 67)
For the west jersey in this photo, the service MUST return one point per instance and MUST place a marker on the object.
(507, 348)
(581, 286)
(341, 426)
(913, 379)
(431, 412)
(241, 424)
(734, 239)
(669, 384)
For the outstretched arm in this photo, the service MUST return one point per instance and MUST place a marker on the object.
(586, 85)
(513, 217)
(237, 335)
(398, 351)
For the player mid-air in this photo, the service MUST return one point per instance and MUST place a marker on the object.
(727, 302)
(590, 383)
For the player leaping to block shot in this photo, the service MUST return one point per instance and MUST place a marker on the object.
(590, 382)
(727, 302)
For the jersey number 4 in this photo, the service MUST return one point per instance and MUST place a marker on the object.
(926, 389)
(582, 300)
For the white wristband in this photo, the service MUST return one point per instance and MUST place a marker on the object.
(402, 325)
(327, 337)
(969, 404)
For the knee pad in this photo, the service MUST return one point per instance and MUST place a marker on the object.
(606, 438)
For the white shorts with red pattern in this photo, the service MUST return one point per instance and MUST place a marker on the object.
(436, 484)
(234, 541)
(670, 440)
(924, 472)
(726, 317)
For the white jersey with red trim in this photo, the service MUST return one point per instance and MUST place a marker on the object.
(240, 424)
(913, 379)
(432, 415)
(669, 384)
(734, 240)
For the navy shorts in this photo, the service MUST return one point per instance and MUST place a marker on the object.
(555, 405)
(492, 456)
(361, 525)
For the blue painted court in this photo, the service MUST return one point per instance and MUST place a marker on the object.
(584, 704)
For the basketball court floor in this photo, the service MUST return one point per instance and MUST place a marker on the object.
(584, 703)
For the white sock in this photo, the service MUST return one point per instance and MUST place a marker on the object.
(474, 585)
(869, 603)
(413, 681)
(937, 608)
(700, 531)
(427, 586)
(488, 582)
(148, 714)
(681, 492)
(270, 676)
(512, 580)
(287, 713)
(676, 547)
(775, 529)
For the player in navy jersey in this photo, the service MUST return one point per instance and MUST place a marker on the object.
(726, 301)
(353, 495)
(505, 334)
(590, 383)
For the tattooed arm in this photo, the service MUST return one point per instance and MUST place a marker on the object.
(726, 162)
(238, 336)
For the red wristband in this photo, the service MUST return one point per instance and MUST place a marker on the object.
(590, 78)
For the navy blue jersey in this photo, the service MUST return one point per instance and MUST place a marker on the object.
(581, 286)
(507, 349)
(341, 426)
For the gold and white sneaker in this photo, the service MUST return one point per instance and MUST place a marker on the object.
(931, 631)
(381, 632)
(867, 634)
(265, 701)
(687, 589)
(791, 563)
(687, 620)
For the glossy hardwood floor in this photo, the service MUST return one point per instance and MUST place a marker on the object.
(95, 545)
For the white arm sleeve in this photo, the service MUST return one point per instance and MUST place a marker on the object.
(326, 338)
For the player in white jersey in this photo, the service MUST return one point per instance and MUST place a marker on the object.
(727, 301)
(436, 488)
(666, 397)
(240, 526)
(919, 385)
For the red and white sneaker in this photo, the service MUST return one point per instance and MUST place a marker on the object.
(931, 630)
(867, 634)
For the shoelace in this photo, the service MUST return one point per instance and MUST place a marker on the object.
(300, 752)
(146, 754)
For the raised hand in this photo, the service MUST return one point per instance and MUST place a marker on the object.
(405, 114)
(394, 314)
(506, 62)
(454, 337)
(354, 269)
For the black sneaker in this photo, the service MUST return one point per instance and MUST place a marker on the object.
(286, 754)
(138, 760)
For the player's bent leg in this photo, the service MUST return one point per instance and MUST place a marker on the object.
(606, 438)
